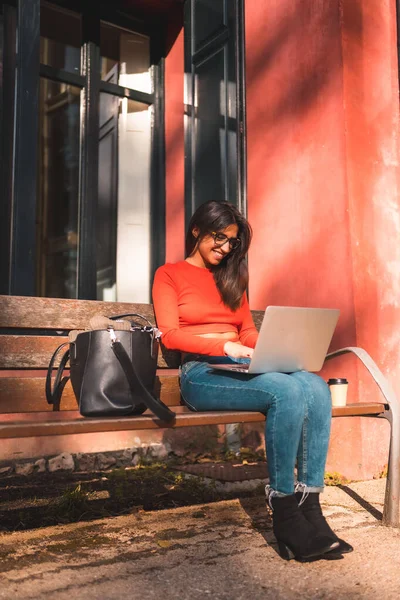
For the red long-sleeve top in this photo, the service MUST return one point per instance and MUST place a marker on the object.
(187, 302)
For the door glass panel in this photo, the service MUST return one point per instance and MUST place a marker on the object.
(208, 18)
(58, 183)
(209, 131)
(107, 198)
(129, 53)
(60, 38)
(123, 238)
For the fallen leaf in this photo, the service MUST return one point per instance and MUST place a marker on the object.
(164, 543)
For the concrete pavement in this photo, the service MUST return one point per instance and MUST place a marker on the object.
(224, 550)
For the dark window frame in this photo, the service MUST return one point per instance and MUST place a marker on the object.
(194, 57)
(7, 105)
(21, 276)
(18, 278)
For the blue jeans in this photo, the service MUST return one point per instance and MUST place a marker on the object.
(297, 406)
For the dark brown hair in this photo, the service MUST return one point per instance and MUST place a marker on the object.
(231, 275)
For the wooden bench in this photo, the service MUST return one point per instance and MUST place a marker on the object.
(31, 329)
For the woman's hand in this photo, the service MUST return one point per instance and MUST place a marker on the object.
(237, 350)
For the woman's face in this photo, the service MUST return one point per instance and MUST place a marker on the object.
(211, 252)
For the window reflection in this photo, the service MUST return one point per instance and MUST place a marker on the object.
(123, 250)
(60, 38)
(129, 54)
(209, 131)
(58, 181)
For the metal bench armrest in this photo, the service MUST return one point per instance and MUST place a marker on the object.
(391, 513)
(379, 378)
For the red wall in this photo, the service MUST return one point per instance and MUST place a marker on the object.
(322, 141)
(322, 125)
(371, 100)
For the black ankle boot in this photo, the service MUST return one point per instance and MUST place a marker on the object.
(311, 509)
(296, 537)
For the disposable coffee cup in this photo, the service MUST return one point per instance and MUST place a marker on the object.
(338, 389)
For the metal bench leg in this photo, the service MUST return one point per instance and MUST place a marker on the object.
(391, 514)
(392, 494)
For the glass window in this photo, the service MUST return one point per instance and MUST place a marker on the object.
(124, 198)
(214, 164)
(90, 172)
(58, 188)
(127, 54)
(209, 130)
(208, 18)
(60, 38)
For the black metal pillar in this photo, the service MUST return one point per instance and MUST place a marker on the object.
(7, 100)
(241, 107)
(22, 280)
(87, 271)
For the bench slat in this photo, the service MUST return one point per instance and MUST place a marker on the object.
(23, 394)
(69, 423)
(34, 351)
(28, 351)
(19, 429)
(358, 409)
(50, 313)
(65, 415)
(26, 394)
(60, 313)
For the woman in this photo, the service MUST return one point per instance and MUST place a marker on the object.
(202, 310)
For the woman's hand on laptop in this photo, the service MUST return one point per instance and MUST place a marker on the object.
(237, 350)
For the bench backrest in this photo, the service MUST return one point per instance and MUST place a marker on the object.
(30, 331)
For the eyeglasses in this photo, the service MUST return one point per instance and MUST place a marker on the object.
(220, 239)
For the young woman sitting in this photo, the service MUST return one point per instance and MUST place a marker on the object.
(202, 310)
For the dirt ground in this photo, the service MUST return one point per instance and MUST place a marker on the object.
(222, 550)
(41, 500)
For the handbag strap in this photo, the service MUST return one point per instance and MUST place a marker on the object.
(53, 393)
(116, 317)
(154, 404)
(154, 331)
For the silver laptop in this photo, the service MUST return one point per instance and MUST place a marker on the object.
(290, 339)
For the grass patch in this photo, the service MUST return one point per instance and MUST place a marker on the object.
(71, 506)
(335, 478)
(61, 499)
(382, 474)
(156, 486)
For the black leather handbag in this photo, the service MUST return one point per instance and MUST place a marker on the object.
(112, 369)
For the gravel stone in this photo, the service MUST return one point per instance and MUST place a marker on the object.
(62, 462)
